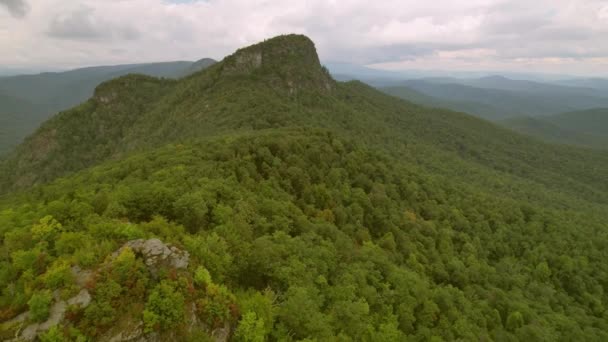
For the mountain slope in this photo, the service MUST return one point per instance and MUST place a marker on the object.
(506, 99)
(478, 109)
(47, 93)
(593, 121)
(265, 86)
(310, 209)
(599, 84)
(584, 128)
(13, 127)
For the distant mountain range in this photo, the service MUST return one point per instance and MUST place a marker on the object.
(27, 100)
(499, 98)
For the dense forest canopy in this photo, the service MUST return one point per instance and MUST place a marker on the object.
(588, 128)
(309, 210)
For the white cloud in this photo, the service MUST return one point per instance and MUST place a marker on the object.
(603, 13)
(440, 34)
(17, 8)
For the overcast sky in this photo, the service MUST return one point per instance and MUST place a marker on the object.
(556, 36)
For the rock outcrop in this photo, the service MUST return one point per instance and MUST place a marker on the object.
(155, 253)
(57, 313)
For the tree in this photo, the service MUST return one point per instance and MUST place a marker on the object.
(515, 321)
(46, 228)
(202, 277)
(40, 305)
(165, 306)
(250, 329)
(52, 335)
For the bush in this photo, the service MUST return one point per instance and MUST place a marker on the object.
(52, 335)
(40, 305)
(165, 306)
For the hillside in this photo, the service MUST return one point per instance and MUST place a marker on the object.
(584, 128)
(510, 101)
(599, 84)
(34, 98)
(593, 121)
(252, 90)
(11, 123)
(308, 208)
(481, 110)
(499, 98)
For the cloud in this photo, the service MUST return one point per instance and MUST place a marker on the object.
(18, 8)
(603, 13)
(82, 24)
(440, 34)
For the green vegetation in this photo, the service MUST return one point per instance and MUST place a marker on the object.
(479, 109)
(587, 128)
(27, 100)
(311, 210)
(593, 121)
(39, 305)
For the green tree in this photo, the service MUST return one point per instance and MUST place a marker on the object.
(165, 306)
(250, 329)
(40, 305)
(46, 228)
(515, 320)
(54, 334)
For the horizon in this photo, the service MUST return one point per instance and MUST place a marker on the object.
(337, 68)
(493, 36)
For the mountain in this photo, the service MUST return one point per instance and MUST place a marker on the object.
(599, 84)
(478, 109)
(499, 98)
(593, 121)
(260, 199)
(12, 124)
(40, 96)
(525, 86)
(585, 128)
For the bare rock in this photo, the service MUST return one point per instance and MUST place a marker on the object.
(82, 299)
(134, 334)
(81, 276)
(57, 312)
(222, 334)
(156, 253)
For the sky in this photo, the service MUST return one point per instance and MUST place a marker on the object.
(545, 36)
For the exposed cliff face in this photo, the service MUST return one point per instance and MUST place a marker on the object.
(290, 63)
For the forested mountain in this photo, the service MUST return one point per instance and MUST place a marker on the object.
(481, 110)
(310, 210)
(28, 100)
(499, 98)
(585, 128)
(13, 127)
(520, 86)
(593, 121)
(599, 84)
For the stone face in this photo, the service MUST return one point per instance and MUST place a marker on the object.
(134, 334)
(221, 334)
(156, 253)
(29, 333)
(83, 299)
